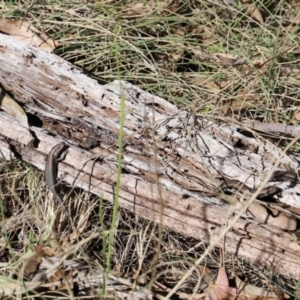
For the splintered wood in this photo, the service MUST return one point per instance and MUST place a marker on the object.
(170, 157)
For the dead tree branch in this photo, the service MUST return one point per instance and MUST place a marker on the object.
(170, 157)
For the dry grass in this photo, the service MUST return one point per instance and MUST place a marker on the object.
(188, 52)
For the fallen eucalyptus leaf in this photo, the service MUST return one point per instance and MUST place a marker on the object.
(10, 106)
(26, 32)
(10, 286)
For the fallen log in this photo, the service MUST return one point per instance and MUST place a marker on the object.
(171, 159)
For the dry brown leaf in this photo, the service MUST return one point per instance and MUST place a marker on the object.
(225, 83)
(50, 251)
(174, 56)
(221, 289)
(204, 270)
(26, 32)
(295, 20)
(11, 107)
(296, 116)
(10, 286)
(254, 12)
(244, 99)
(246, 95)
(253, 292)
(60, 276)
(209, 84)
(280, 294)
(31, 264)
(206, 274)
(235, 106)
(230, 2)
(3, 242)
(227, 59)
(208, 33)
(138, 9)
(244, 291)
(212, 87)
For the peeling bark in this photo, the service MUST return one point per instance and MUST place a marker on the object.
(170, 157)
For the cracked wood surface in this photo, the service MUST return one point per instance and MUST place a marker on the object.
(170, 158)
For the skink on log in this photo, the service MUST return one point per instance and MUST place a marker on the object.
(268, 191)
(240, 186)
(55, 155)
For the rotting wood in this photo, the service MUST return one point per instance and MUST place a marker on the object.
(168, 154)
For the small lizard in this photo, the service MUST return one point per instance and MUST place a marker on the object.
(55, 155)
(268, 191)
(290, 176)
(242, 187)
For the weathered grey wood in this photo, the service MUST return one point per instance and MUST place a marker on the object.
(168, 154)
